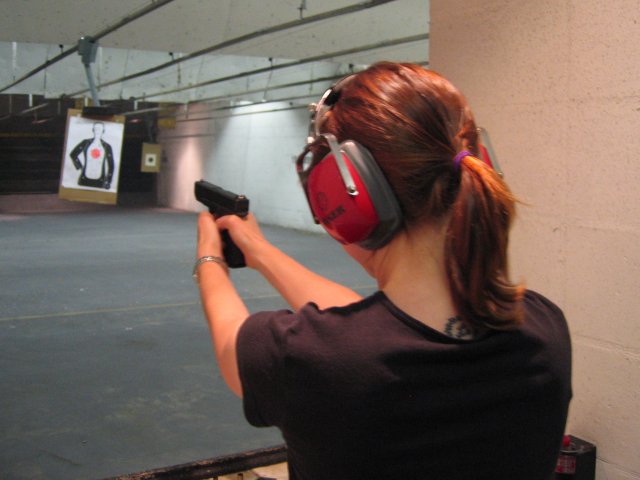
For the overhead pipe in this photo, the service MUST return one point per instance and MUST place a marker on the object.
(33, 109)
(244, 38)
(375, 46)
(252, 104)
(273, 110)
(268, 89)
(155, 4)
(276, 87)
(245, 92)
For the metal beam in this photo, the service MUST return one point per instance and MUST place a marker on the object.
(155, 4)
(244, 92)
(375, 46)
(244, 38)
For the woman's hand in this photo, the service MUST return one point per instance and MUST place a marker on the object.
(296, 284)
(246, 234)
(209, 242)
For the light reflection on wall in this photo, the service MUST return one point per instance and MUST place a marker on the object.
(185, 149)
(249, 154)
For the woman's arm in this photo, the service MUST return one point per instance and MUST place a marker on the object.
(223, 308)
(297, 284)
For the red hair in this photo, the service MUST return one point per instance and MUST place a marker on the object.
(414, 122)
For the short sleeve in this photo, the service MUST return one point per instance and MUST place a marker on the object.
(261, 348)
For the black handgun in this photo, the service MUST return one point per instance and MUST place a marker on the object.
(221, 202)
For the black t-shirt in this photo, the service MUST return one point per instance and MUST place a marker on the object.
(366, 391)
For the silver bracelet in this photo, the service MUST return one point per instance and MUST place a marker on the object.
(207, 258)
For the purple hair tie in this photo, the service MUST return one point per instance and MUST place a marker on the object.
(458, 158)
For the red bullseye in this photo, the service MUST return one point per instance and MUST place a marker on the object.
(95, 153)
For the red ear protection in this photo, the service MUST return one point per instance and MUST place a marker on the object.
(347, 192)
(351, 198)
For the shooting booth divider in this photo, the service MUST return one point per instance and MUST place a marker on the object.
(91, 158)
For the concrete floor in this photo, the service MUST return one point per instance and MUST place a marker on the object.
(106, 365)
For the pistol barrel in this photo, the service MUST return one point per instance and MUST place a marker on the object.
(220, 201)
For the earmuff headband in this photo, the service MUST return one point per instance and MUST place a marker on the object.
(347, 179)
(327, 101)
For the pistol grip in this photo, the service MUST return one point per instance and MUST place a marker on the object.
(232, 254)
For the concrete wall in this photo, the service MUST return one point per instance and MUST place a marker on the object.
(262, 149)
(557, 84)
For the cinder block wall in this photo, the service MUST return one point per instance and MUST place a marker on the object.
(557, 84)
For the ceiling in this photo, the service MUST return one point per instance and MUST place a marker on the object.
(182, 27)
(190, 25)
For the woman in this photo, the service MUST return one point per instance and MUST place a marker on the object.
(449, 371)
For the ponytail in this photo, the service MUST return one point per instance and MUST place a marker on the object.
(414, 121)
(476, 249)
